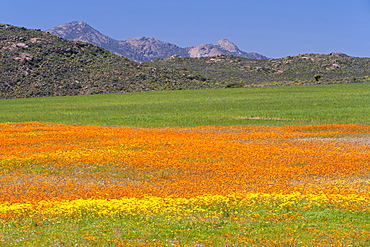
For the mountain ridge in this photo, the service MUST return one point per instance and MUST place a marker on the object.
(34, 63)
(144, 49)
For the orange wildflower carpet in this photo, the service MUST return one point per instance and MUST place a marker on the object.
(41, 161)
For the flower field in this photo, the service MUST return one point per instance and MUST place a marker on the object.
(208, 185)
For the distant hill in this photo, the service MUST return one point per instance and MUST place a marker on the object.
(230, 71)
(143, 49)
(36, 64)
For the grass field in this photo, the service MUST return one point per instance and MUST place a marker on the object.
(316, 104)
(255, 171)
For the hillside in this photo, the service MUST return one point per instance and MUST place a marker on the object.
(230, 71)
(144, 49)
(35, 64)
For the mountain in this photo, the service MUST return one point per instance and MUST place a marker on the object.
(36, 64)
(143, 49)
(81, 31)
(149, 48)
(224, 47)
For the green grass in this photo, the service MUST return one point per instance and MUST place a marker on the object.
(240, 226)
(314, 104)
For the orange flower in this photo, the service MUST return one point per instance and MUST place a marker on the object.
(41, 161)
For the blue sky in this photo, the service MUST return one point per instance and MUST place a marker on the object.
(274, 28)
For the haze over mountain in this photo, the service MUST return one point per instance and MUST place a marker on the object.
(143, 49)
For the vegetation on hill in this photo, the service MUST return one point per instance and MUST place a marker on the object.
(35, 64)
(229, 71)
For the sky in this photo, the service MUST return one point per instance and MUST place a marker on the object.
(274, 28)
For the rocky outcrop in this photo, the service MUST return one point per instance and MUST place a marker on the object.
(149, 48)
(144, 49)
(24, 56)
(228, 46)
(81, 31)
(204, 50)
(224, 47)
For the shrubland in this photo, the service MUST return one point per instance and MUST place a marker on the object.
(36, 64)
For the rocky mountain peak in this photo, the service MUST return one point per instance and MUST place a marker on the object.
(144, 41)
(79, 24)
(149, 48)
(81, 31)
(227, 45)
(143, 49)
(71, 30)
